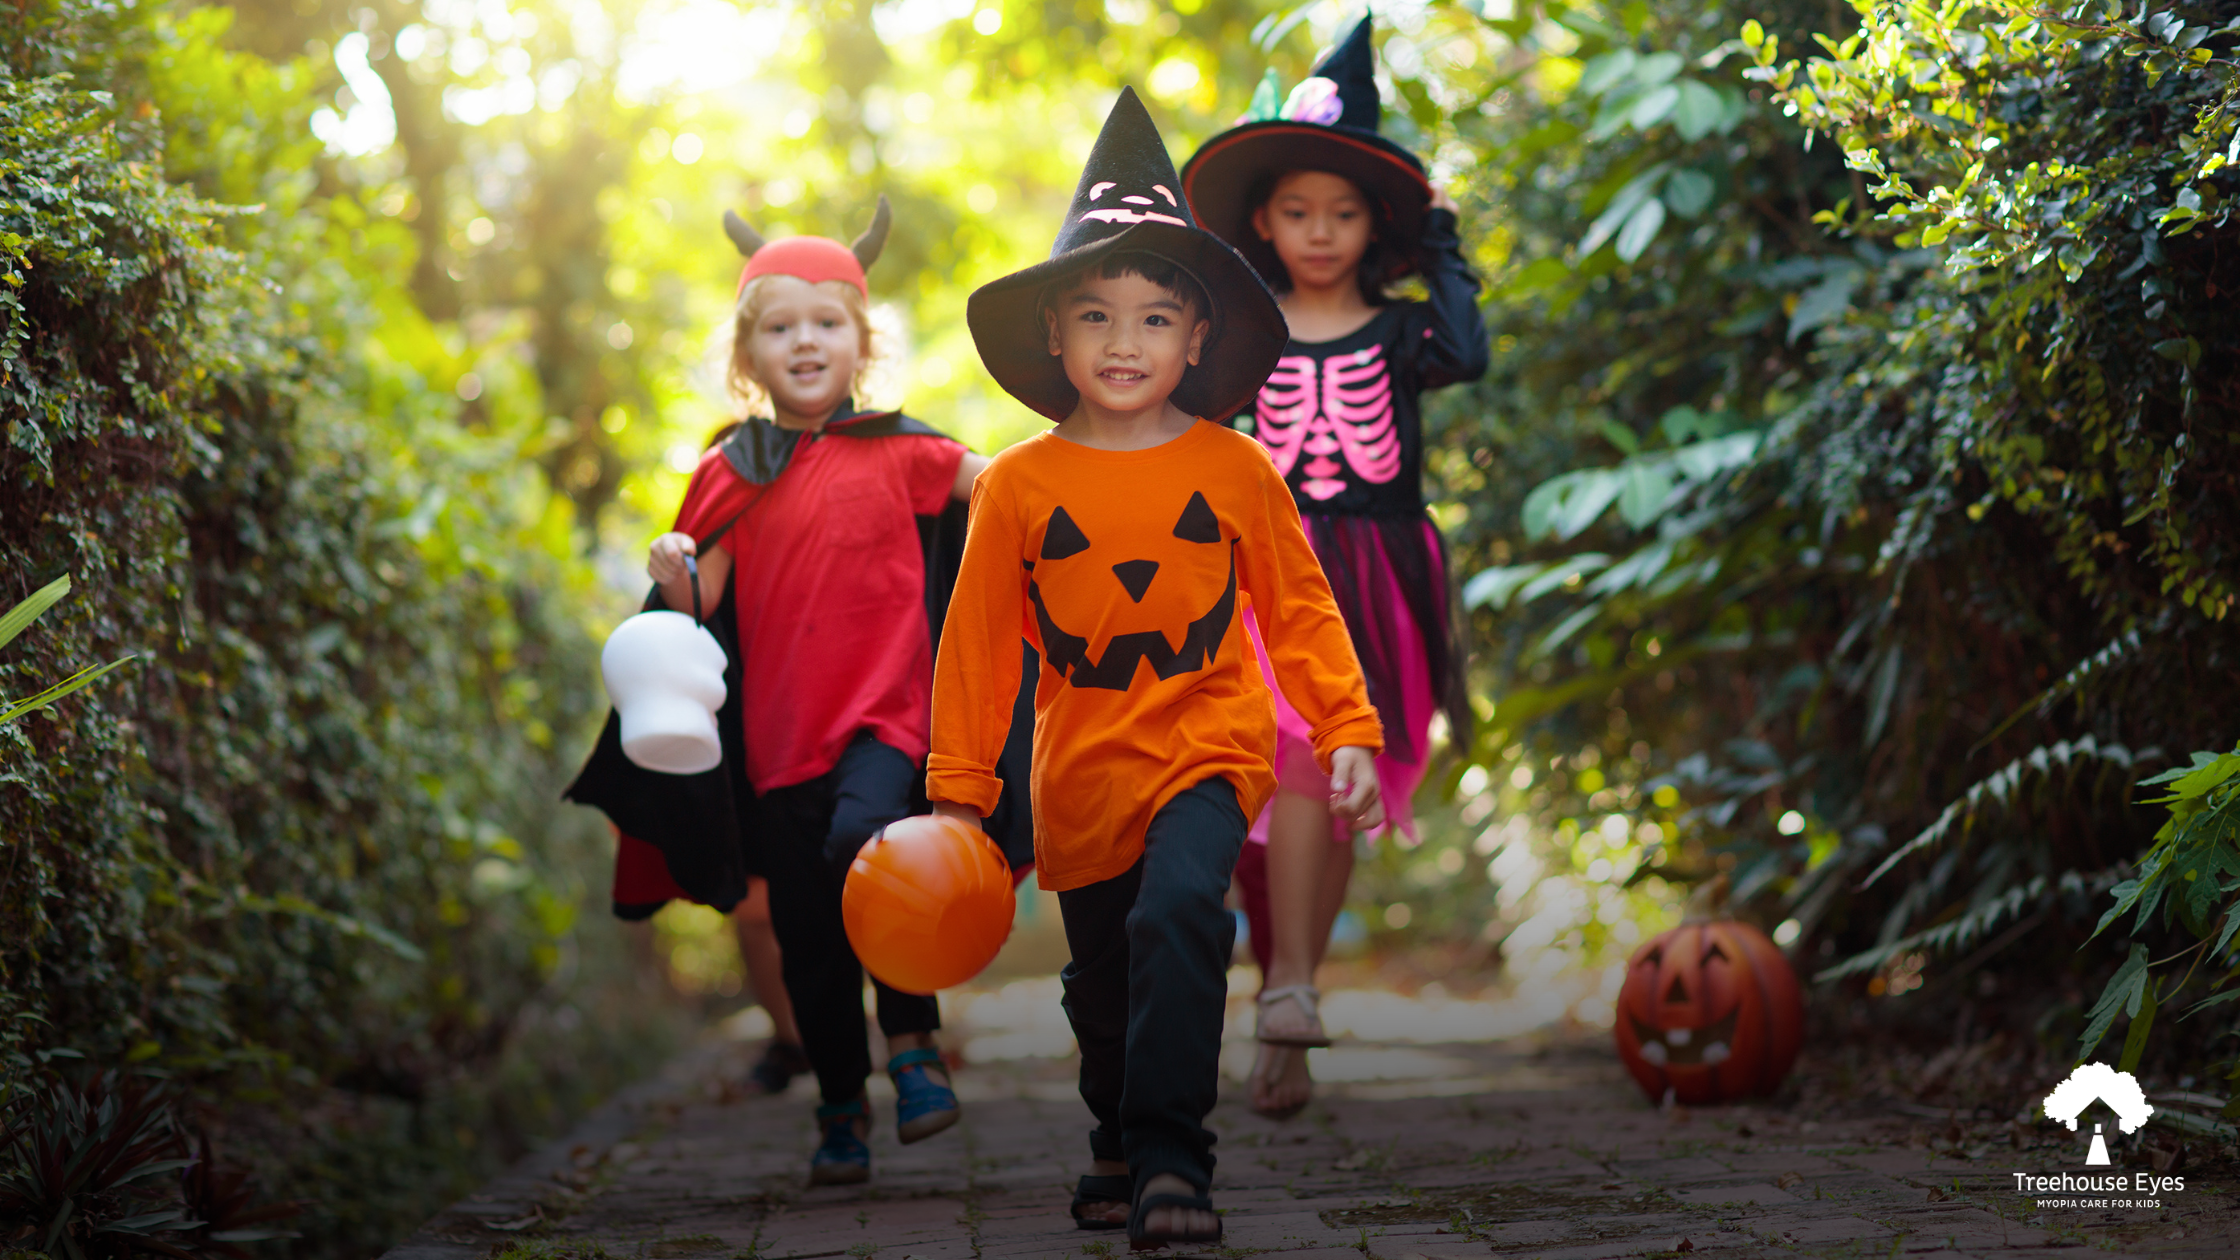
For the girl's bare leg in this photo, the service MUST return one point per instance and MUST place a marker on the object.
(758, 949)
(1307, 878)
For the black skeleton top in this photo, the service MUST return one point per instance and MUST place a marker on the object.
(1341, 418)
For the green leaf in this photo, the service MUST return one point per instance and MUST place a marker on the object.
(1656, 68)
(9, 712)
(1647, 486)
(1822, 303)
(1491, 588)
(1698, 111)
(2125, 990)
(1622, 205)
(28, 611)
(1563, 506)
(1654, 107)
(1687, 192)
(2180, 350)
(2206, 777)
(2142, 1023)
(1541, 273)
(1752, 33)
(2218, 999)
(1610, 68)
(1640, 229)
(1621, 437)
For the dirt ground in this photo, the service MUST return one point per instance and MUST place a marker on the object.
(1527, 1144)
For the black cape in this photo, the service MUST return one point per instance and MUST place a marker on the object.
(704, 823)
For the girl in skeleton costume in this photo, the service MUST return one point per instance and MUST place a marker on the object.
(1331, 213)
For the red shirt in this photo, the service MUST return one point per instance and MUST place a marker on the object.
(829, 577)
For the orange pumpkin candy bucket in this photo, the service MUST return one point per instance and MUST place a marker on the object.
(927, 904)
(1711, 1012)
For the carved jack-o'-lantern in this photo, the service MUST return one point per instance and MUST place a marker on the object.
(1181, 589)
(1711, 1012)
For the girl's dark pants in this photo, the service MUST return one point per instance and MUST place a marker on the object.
(1148, 986)
(809, 833)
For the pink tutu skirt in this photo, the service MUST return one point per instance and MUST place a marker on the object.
(1387, 614)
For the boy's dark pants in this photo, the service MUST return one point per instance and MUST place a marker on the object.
(809, 833)
(1148, 986)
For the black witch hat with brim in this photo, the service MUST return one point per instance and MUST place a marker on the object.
(1130, 201)
(1329, 124)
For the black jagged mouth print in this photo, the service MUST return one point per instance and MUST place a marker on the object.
(1068, 653)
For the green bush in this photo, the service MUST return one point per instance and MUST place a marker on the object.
(307, 856)
(1871, 494)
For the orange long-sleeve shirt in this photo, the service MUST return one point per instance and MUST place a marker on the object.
(1125, 569)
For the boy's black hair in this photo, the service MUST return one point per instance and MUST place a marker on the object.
(1159, 271)
(1369, 274)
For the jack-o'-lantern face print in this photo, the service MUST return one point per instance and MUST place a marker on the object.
(1109, 596)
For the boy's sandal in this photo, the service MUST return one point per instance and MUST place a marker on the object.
(923, 1106)
(1142, 1239)
(1108, 1188)
(1308, 998)
(843, 1158)
(781, 1062)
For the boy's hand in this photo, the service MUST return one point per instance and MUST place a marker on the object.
(1355, 794)
(962, 813)
(665, 563)
(1441, 201)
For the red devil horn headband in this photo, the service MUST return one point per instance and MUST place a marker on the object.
(811, 258)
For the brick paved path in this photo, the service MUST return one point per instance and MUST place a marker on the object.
(1527, 1147)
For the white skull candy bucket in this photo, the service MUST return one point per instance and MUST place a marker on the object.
(664, 673)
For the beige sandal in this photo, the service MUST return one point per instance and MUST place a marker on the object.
(1273, 1061)
(1309, 998)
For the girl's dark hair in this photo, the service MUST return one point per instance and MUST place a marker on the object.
(1370, 275)
(1159, 271)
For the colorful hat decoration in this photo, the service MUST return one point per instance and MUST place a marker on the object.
(811, 258)
(1327, 123)
(1129, 201)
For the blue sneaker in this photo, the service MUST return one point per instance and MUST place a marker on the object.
(843, 1159)
(923, 1106)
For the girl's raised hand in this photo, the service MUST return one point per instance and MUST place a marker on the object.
(665, 563)
(1441, 201)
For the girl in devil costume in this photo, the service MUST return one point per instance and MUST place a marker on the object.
(1331, 213)
(822, 541)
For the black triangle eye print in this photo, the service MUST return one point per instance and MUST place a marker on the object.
(1063, 538)
(1198, 524)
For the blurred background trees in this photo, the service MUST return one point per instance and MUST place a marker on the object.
(1847, 513)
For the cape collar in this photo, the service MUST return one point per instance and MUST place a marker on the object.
(758, 450)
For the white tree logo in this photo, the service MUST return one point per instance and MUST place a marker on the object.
(2097, 1082)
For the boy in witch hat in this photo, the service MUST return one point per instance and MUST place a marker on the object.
(1122, 541)
(820, 544)
(1330, 213)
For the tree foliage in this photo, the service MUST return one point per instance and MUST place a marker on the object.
(306, 856)
(1883, 513)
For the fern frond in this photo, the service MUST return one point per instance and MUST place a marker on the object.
(2005, 783)
(2125, 644)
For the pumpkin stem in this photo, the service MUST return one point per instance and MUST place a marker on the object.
(1708, 901)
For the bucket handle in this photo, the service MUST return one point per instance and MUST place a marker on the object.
(692, 564)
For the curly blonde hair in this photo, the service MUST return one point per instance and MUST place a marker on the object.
(748, 395)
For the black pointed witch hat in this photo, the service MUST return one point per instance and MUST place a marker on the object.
(1130, 201)
(1329, 123)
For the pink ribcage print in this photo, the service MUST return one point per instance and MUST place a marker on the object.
(1284, 409)
(1350, 416)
